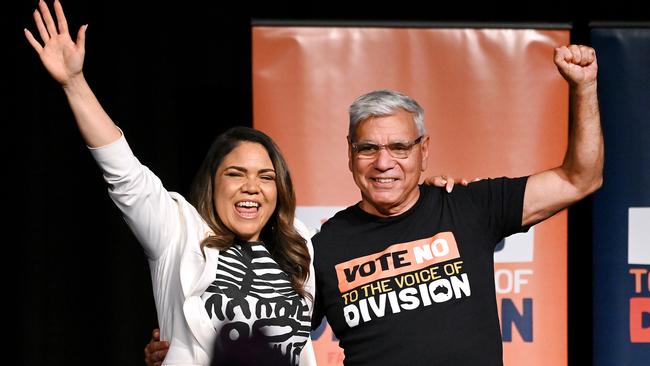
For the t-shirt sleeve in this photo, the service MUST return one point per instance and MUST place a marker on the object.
(318, 312)
(502, 200)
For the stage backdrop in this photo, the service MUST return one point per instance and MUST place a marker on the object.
(622, 206)
(494, 105)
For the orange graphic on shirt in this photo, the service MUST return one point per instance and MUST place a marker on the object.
(396, 259)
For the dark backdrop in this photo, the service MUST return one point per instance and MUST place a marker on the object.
(172, 77)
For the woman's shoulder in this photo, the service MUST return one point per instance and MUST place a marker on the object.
(304, 231)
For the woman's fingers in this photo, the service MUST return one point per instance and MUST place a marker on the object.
(450, 184)
(30, 38)
(38, 19)
(47, 18)
(60, 17)
(81, 38)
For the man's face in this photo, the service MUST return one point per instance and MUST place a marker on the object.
(389, 185)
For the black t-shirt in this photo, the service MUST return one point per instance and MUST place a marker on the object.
(418, 288)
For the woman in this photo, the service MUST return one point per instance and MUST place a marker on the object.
(233, 269)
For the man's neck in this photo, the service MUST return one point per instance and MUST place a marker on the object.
(391, 210)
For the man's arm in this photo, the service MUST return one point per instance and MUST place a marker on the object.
(581, 172)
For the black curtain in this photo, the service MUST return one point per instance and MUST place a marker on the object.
(173, 79)
(172, 76)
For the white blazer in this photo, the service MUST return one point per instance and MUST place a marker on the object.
(170, 230)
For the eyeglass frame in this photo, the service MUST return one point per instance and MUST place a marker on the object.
(409, 146)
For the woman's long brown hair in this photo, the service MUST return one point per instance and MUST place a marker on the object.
(284, 243)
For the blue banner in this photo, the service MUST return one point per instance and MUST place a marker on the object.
(621, 254)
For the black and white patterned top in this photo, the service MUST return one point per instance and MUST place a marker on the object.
(255, 310)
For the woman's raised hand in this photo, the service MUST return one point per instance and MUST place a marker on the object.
(62, 57)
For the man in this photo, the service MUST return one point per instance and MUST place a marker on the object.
(405, 277)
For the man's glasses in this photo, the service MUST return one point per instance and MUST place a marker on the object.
(398, 150)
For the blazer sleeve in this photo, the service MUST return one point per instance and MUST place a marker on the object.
(308, 355)
(149, 210)
(310, 284)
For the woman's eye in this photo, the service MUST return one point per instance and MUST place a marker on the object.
(268, 177)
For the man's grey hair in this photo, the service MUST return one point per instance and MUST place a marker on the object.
(382, 103)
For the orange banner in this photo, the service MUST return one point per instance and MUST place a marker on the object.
(494, 105)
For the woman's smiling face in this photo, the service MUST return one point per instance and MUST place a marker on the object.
(245, 191)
